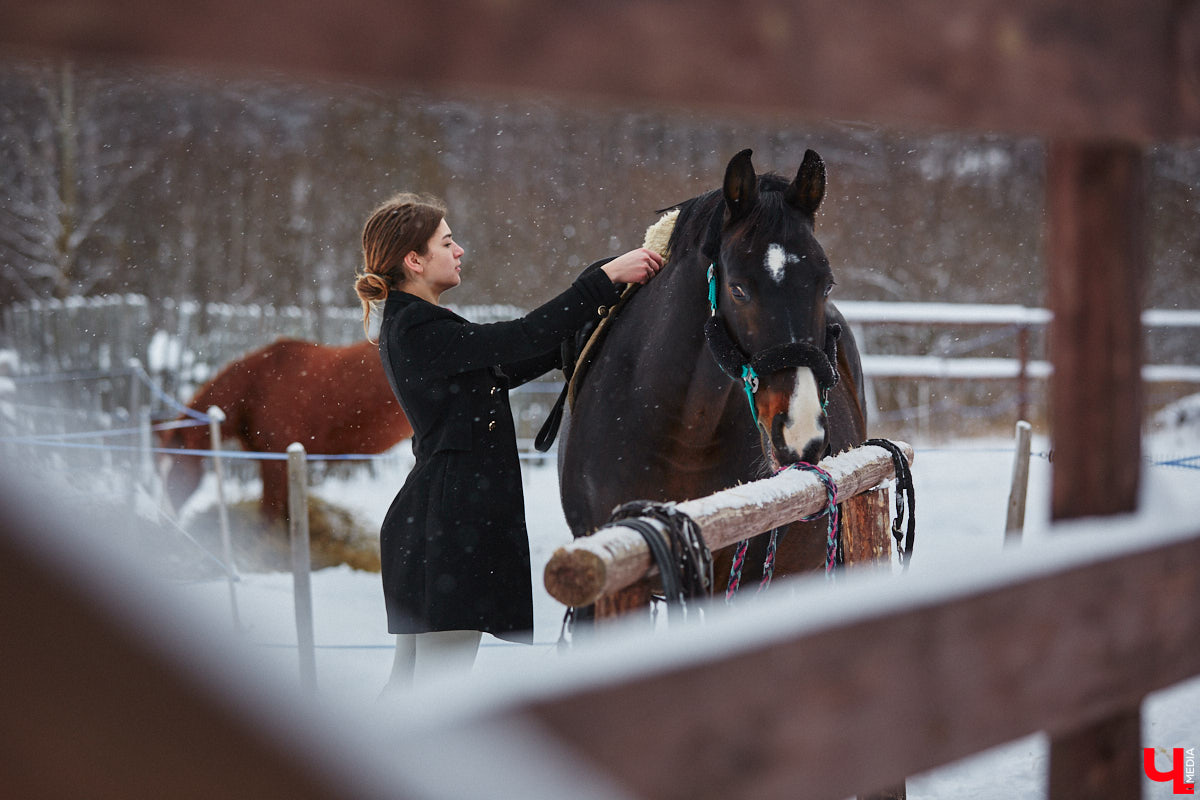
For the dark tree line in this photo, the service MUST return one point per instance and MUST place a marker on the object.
(218, 189)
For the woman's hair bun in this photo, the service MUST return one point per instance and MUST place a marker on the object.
(371, 287)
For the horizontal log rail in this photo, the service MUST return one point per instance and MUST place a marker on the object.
(1054, 67)
(837, 693)
(615, 557)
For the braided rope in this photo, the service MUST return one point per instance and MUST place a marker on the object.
(830, 511)
(832, 540)
(735, 570)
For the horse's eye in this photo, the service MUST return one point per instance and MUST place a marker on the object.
(739, 292)
(829, 288)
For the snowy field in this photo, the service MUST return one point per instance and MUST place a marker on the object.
(961, 494)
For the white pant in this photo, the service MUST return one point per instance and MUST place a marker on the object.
(423, 656)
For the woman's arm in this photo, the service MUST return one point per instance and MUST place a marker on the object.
(519, 372)
(446, 346)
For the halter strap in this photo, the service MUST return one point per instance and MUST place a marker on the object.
(734, 362)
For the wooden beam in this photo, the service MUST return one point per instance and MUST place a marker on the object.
(1095, 200)
(781, 700)
(1127, 68)
(579, 573)
(93, 708)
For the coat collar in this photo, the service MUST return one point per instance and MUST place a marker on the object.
(398, 302)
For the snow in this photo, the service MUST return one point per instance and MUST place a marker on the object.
(961, 502)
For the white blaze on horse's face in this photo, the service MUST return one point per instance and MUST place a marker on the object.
(804, 431)
(776, 260)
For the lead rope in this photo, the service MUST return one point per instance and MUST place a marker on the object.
(832, 536)
(831, 511)
(906, 496)
(683, 559)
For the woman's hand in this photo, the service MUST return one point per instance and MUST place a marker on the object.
(636, 266)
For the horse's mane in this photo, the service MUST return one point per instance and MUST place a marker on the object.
(687, 219)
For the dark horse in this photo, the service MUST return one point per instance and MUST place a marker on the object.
(332, 400)
(657, 418)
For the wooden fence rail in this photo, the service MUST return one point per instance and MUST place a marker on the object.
(616, 557)
(832, 690)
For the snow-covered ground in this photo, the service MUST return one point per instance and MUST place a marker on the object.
(962, 493)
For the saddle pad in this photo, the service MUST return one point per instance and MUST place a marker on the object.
(592, 346)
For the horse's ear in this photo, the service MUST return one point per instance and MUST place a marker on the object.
(741, 186)
(808, 189)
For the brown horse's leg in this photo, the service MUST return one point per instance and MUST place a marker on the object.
(275, 490)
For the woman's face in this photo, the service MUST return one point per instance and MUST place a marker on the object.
(441, 260)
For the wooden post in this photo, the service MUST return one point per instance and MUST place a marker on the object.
(215, 417)
(866, 529)
(301, 563)
(1014, 525)
(137, 458)
(1023, 396)
(1093, 763)
(1096, 207)
(867, 544)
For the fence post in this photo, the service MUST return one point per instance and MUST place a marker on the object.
(137, 457)
(215, 417)
(139, 413)
(867, 544)
(1019, 489)
(1023, 397)
(1096, 254)
(1102, 761)
(866, 526)
(301, 562)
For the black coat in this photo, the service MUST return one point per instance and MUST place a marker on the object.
(454, 549)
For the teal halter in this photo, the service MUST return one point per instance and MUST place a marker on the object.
(749, 376)
(733, 361)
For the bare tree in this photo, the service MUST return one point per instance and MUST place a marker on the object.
(65, 180)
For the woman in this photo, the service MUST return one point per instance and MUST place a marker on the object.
(454, 549)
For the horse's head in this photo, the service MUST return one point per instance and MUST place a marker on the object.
(768, 284)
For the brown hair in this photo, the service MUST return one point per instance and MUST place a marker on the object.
(400, 225)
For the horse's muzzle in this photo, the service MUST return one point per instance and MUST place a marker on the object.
(791, 415)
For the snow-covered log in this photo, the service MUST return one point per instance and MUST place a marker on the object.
(615, 557)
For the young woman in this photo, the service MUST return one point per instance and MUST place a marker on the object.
(454, 549)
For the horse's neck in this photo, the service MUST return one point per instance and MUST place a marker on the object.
(675, 310)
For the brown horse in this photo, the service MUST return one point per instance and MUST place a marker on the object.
(333, 400)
